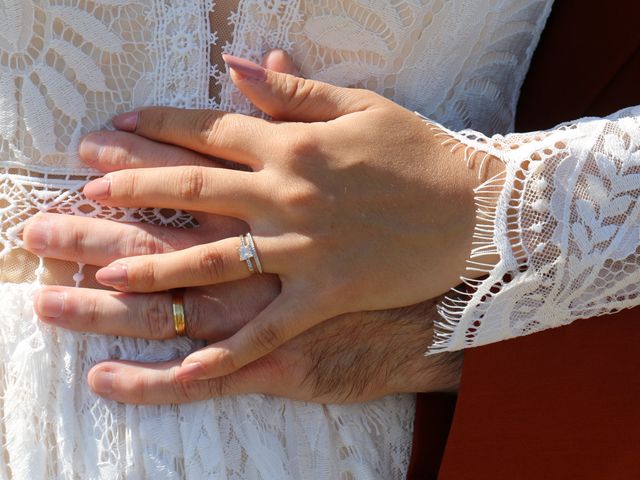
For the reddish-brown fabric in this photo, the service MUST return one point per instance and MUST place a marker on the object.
(434, 413)
(561, 404)
(587, 63)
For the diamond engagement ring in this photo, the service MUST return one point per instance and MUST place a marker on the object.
(247, 253)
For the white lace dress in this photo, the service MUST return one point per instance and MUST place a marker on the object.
(67, 66)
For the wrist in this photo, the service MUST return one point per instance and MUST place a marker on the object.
(413, 370)
(439, 372)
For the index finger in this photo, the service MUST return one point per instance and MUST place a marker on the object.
(232, 136)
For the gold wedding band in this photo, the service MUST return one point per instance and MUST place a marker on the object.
(179, 321)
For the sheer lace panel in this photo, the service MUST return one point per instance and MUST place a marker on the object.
(454, 62)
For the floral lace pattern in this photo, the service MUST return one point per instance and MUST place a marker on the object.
(392, 48)
(64, 69)
(566, 225)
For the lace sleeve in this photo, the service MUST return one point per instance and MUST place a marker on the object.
(564, 220)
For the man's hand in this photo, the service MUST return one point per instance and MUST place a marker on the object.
(352, 358)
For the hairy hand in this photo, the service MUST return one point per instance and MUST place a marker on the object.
(352, 358)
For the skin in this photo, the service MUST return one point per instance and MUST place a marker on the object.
(320, 194)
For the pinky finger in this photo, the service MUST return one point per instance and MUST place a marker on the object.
(285, 318)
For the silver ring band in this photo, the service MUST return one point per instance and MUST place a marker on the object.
(252, 246)
(247, 253)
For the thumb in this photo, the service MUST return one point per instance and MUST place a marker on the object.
(283, 319)
(287, 97)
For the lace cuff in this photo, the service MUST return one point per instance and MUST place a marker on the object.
(564, 219)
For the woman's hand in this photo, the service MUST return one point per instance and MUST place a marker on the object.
(357, 208)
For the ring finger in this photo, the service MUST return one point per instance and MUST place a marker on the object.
(211, 313)
(208, 264)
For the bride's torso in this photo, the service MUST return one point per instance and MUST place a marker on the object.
(66, 67)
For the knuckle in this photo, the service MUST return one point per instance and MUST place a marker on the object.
(119, 154)
(226, 362)
(188, 391)
(155, 120)
(125, 185)
(142, 243)
(302, 196)
(138, 390)
(217, 387)
(296, 91)
(367, 96)
(142, 275)
(195, 313)
(304, 144)
(191, 183)
(94, 313)
(157, 318)
(78, 241)
(210, 263)
(207, 126)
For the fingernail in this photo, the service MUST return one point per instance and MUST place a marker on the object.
(99, 189)
(115, 276)
(190, 371)
(36, 236)
(102, 382)
(126, 121)
(50, 304)
(245, 68)
(91, 147)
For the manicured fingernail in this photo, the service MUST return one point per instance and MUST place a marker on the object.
(126, 121)
(91, 147)
(36, 235)
(99, 189)
(245, 68)
(115, 275)
(50, 304)
(190, 371)
(102, 382)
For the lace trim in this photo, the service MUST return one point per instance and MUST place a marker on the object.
(183, 73)
(563, 217)
(499, 207)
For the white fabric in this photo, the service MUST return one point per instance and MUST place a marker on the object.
(566, 225)
(66, 67)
